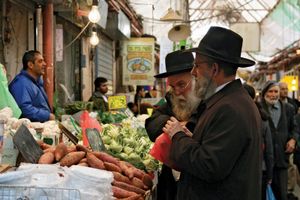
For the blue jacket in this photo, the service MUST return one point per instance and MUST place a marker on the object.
(30, 96)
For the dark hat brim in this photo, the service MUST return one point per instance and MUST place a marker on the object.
(242, 62)
(166, 74)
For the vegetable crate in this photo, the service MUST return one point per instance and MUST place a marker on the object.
(8, 192)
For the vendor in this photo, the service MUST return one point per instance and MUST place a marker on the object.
(98, 98)
(28, 91)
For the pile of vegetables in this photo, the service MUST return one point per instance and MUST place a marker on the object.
(111, 117)
(129, 182)
(129, 143)
(76, 106)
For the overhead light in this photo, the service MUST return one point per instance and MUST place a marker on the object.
(172, 16)
(298, 51)
(94, 40)
(94, 15)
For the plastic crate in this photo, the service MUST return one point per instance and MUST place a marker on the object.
(9, 192)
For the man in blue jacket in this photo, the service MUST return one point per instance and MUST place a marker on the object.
(27, 88)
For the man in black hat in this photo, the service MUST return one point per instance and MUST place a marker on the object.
(180, 102)
(222, 160)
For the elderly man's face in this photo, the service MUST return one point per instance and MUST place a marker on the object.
(183, 99)
(272, 95)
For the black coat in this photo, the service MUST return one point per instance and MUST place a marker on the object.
(281, 134)
(166, 186)
(222, 160)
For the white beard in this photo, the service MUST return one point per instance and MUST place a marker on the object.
(271, 101)
(183, 107)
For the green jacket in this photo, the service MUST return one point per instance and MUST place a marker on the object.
(100, 104)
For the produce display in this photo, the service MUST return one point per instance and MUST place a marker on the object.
(129, 142)
(129, 182)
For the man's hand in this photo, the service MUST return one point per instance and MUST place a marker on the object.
(290, 146)
(172, 127)
(52, 116)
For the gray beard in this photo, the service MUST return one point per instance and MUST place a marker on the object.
(204, 88)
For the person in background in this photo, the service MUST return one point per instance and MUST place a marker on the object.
(222, 159)
(181, 103)
(28, 90)
(98, 98)
(281, 122)
(133, 107)
(6, 99)
(152, 93)
(285, 98)
(267, 144)
(139, 94)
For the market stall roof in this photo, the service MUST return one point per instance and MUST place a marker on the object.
(278, 19)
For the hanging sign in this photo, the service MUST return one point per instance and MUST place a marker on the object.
(117, 102)
(138, 60)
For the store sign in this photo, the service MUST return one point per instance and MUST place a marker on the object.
(138, 60)
(291, 81)
(117, 102)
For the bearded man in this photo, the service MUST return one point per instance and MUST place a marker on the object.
(284, 135)
(222, 159)
(180, 102)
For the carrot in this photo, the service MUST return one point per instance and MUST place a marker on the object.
(121, 193)
(147, 180)
(138, 183)
(94, 162)
(126, 170)
(119, 177)
(60, 151)
(80, 147)
(128, 187)
(46, 158)
(112, 167)
(72, 158)
(106, 157)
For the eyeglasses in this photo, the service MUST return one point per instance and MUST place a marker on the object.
(181, 86)
(199, 63)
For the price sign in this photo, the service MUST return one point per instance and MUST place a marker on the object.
(117, 102)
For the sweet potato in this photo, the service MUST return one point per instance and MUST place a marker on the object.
(135, 197)
(45, 146)
(147, 180)
(138, 183)
(94, 162)
(112, 167)
(106, 157)
(128, 187)
(121, 193)
(121, 178)
(80, 147)
(83, 160)
(126, 169)
(83, 164)
(60, 151)
(72, 158)
(51, 149)
(71, 148)
(46, 158)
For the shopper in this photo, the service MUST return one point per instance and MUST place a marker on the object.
(99, 98)
(28, 91)
(179, 103)
(222, 159)
(284, 135)
(267, 144)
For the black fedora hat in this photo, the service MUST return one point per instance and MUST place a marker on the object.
(224, 45)
(177, 62)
